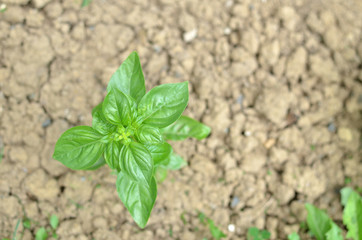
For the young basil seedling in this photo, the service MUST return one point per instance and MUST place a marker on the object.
(129, 132)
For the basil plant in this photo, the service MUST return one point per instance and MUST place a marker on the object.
(129, 132)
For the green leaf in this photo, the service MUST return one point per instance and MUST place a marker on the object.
(41, 234)
(345, 193)
(138, 197)
(111, 154)
(175, 162)
(335, 233)
(202, 217)
(79, 147)
(161, 174)
(265, 234)
(118, 108)
(159, 152)
(100, 123)
(318, 222)
(27, 223)
(215, 231)
(186, 127)
(256, 234)
(164, 104)
(136, 161)
(16, 229)
(293, 236)
(352, 216)
(54, 221)
(100, 162)
(149, 135)
(129, 78)
(86, 3)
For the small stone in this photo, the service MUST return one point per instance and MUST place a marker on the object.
(269, 143)
(240, 100)
(234, 202)
(247, 133)
(227, 31)
(345, 134)
(191, 35)
(231, 228)
(46, 123)
(332, 127)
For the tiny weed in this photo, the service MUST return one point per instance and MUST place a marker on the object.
(293, 236)
(86, 3)
(347, 180)
(322, 226)
(44, 232)
(256, 234)
(214, 230)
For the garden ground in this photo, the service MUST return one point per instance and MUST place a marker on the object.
(278, 81)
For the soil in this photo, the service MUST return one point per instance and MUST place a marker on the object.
(278, 81)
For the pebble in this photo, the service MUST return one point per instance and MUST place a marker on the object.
(331, 127)
(227, 31)
(231, 228)
(191, 35)
(247, 133)
(46, 123)
(234, 202)
(240, 99)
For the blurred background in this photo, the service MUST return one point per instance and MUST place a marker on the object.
(279, 83)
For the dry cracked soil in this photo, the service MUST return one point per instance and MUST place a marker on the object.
(278, 81)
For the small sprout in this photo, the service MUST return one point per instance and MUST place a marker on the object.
(1, 154)
(214, 230)
(86, 3)
(170, 232)
(27, 223)
(182, 217)
(41, 234)
(256, 234)
(347, 180)
(312, 147)
(54, 221)
(303, 225)
(16, 229)
(293, 236)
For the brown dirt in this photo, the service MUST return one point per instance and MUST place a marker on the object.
(278, 81)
